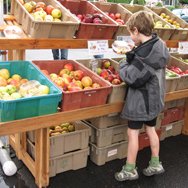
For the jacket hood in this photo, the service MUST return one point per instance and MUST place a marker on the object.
(158, 54)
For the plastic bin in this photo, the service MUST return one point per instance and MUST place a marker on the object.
(180, 33)
(116, 8)
(173, 114)
(118, 91)
(172, 129)
(183, 81)
(41, 29)
(108, 136)
(29, 106)
(102, 155)
(144, 139)
(107, 121)
(83, 98)
(90, 30)
(70, 161)
(163, 33)
(67, 142)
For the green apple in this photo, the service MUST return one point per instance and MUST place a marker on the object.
(16, 95)
(43, 90)
(11, 89)
(3, 89)
(56, 13)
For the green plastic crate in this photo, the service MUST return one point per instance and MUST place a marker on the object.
(30, 106)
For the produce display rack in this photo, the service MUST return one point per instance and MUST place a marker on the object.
(17, 129)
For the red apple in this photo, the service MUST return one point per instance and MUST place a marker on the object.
(95, 85)
(49, 9)
(117, 15)
(112, 16)
(110, 78)
(73, 87)
(104, 74)
(78, 75)
(45, 72)
(67, 79)
(41, 5)
(15, 83)
(59, 81)
(23, 81)
(69, 66)
(97, 21)
(80, 17)
(111, 68)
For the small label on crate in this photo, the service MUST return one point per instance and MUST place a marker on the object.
(98, 47)
(168, 127)
(183, 47)
(112, 152)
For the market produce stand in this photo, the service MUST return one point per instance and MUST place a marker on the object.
(16, 129)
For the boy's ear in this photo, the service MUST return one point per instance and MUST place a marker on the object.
(135, 30)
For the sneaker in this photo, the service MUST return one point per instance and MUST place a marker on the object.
(152, 170)
(124, 175)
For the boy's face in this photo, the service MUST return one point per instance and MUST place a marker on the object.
(135, 36)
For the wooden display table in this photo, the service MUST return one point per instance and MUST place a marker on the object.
(40, 167)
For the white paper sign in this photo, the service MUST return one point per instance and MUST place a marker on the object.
(183, 47)
(112, 152)
(126, 39)
(98, 47)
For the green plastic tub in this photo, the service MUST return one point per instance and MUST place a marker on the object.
(30, 106)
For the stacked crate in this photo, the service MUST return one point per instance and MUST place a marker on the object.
(173, 121)
(108, 138)
(68, 151)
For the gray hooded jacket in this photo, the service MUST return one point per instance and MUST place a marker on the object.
(144, 73)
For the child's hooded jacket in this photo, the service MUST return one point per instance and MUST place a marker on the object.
(144, 73)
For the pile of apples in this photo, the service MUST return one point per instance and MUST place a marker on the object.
(61, 129)
(170, 20)
(42, 12)
(178, 71)
(95, 18)
(116, 17)
(108, 72)
(10, 86)
(71, 80)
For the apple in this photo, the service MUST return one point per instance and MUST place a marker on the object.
(80, 17)
(110, 78)
(67, 79)
(3, 89)
(116, 81)
(95, 85)
(41, 5)
(88, 18)
(120, 21)
(111, 68)
(38, 17)
(28, 7)
(64, 71)
(78, 75)
(56, 13)
(58, 81)
(49, 9)
(23, 81)
(97, 21)
(33, 4)
(79, 83)
(48, 18)
(16, 95)
(53, 76)
(73, 87)
(98, 70)
(57, 20)
(86, 81)
(5, 73)
(15, 83)
(16, 77)
(104, 74)
(40, 13)
(106, 64)
(21, 1)
(118, 16)
(45, 71)
(44, 89)
(6, 96)
(112, 15)
(3, 82)
(88, 87)
(11, 89)
(69, 66)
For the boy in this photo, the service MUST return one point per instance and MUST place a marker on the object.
(144, 73)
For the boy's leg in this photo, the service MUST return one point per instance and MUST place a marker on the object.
(55, 53)
(129, 171)
(155, 166)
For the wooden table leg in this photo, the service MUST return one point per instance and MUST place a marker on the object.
(18, 145)
(42, 157)
(185, 127)
(10, 55)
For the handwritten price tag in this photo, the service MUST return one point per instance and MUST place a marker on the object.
(183, 47)
(98, 47)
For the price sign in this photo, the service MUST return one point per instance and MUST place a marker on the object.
(126, 39)
(98, 47)
(183, 47)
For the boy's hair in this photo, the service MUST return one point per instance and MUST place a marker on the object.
(143, 21)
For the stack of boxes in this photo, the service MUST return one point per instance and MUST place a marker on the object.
(108, 138)
(68, 151)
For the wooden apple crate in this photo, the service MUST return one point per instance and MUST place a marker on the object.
(183, 81)
(118, 91)
(179, 33)
(163, 33)
(40, 29)
(116, 8)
